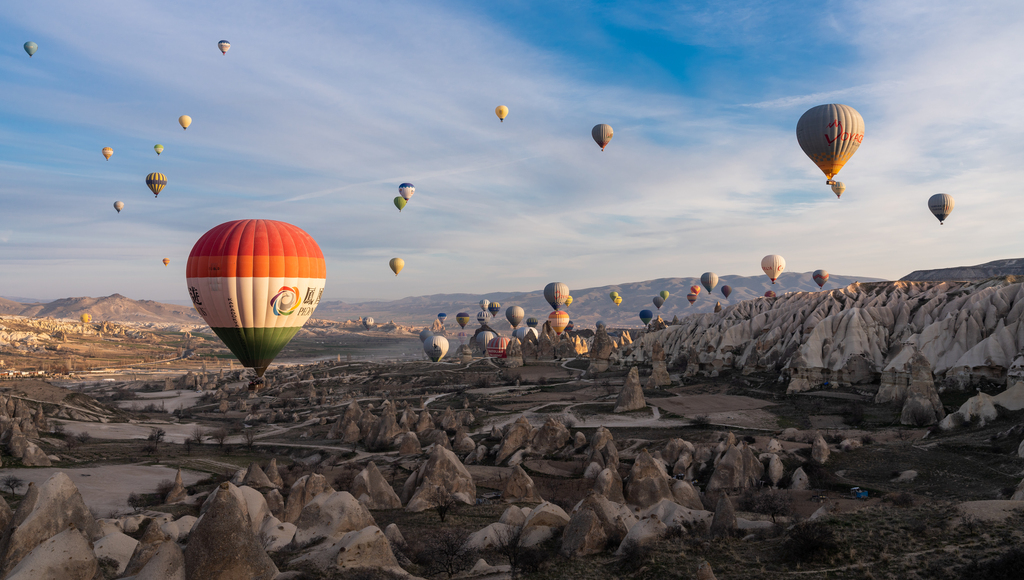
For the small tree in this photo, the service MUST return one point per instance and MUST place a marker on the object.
(70, 442)
(12, 483)
(156, 435)
(198, 434)
(249, 435)
(83, 437)
(58, 428)
(509, 544)
(444, 501)
(772, 503)
(448, 552)
(219, 435)
(136, 501)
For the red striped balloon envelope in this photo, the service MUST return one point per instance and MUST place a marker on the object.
(558, 320)
(496, 347)
(256, 282)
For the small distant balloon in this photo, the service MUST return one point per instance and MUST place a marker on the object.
(482, 338)
(501, 111)
(184, 121)
(166, 261)
(695, 290)
(646, 316)
(86, 318)
(482, 317)
(726, 291)
(158, 148)
(613, 295)
(820, 277)
(484, 304)
(435, 347)
(31, 48)
(494, 308)
(156, 182)
(442, 317)
(396, 265)
(425, 334)
(773, 265)
(462, 318)
(664, 294)
(617, 300)
(658, 301)
(532, 322)
(568, 300)
(400, 203)
(838, 188)
(224, 46)
(691, 298)
(514, 315)
(941, 205)
(118, 205)
(368, 322)
(570, 326)
(709, 280)
(602, 134)
(406, 190)
(769, 294)
(107, 152)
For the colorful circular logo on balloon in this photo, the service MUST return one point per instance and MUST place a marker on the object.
(286, 301)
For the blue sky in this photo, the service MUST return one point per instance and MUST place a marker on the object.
(320, 110)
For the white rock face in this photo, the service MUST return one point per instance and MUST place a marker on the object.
(66, 556)
(116, 546)
(964, 329)
(331, 516)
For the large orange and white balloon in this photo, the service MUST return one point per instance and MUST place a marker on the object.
(773, 265)
(558, 320)
(256, 282)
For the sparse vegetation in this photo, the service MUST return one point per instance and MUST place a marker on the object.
(12, 483)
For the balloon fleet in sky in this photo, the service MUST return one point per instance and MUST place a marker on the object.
(256, 291)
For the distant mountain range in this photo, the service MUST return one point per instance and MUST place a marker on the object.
(589, 304)
(1009, 267)
(113, 308)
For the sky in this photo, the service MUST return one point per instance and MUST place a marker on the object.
(321, 109)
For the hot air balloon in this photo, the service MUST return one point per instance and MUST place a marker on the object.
(368, 322)
(224, 46)
(838, 188)
(570, 326)
(396, 265)
(658, 301)
(166, 261)
(158, 148)
(568, 300)
(773, 265)
(709, 280)
(496, 347)
(184, 121)
(695, 290)
(691, 298)
(462, 337)
(482, 317)
(664, 294)
(31, 48)
(820, 277)
(532, 322)
(425, 334)
(617, 300)
(941, 205)
(441, 316)
(555, 293)
(494, 308)
(521, 333)
(515, 315)
(482, 338)
(613, 295)
(646, 316)
(436, 347)
(769, 294)
(107, 152)
(602, 134)
(85, 318)
(501, 111)
(484, 304)
(558, 320)
(400, 203)
(406, 190)
(726, 291)
(830, 135)
(256, 282)
(118, 205)
(462, 319)
(156, 182)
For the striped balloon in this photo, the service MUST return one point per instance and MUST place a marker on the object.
(462, 318)
(769, 294)
(556, 293)
(532, 322)
(941, 205)
(224, 46)
(494, 308)
(695, 290)
(158, 148)
(156, 182)
(602, 134)
(496, 347)
(107, 152)
(256, 282)
(820, 277)
(559, 320)
(482, 317)
(484, 304)
(709, 280)
(691, 298)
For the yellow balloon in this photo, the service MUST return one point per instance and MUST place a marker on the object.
(396, 265)
(184, 121)
(166, 261)
(86, 318)
(107, 152)
(501, 112)
(568, 300)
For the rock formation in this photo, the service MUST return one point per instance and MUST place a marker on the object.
(331, 515)
(517, 435)
(373, 491)
(631, 397)
(303, 490)
(441, 471)
(178, 493)
(519, 487)
(223, 544)
(660, 372)
(648, 482)
(551, 437)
